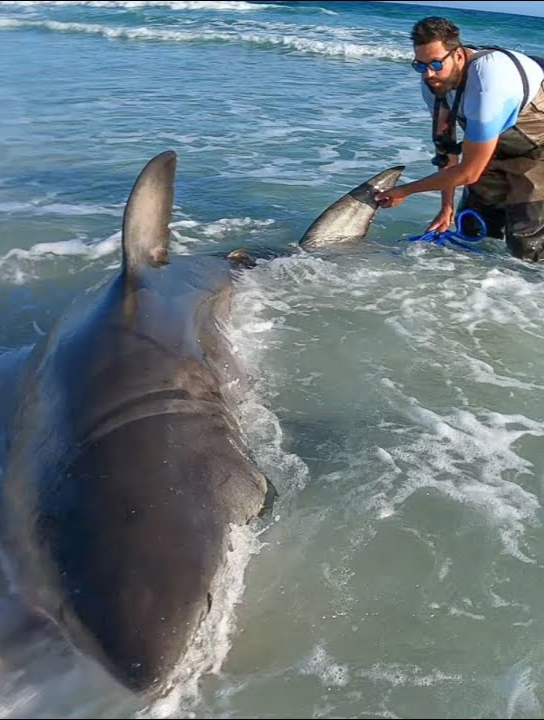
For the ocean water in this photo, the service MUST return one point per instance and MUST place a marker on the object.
(397, 395)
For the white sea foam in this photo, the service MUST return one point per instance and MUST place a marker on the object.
(40, 207)
(66, 248)
(469, 457)
(321, 664)
(396, 675)
(223, 227)
(263, 39)
(16, 264)
(199, 5)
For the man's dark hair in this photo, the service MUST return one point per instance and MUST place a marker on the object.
(431, 29)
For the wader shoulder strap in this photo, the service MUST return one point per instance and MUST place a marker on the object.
(515, 60)
(439, 103)
(442, 102)
(524, 78)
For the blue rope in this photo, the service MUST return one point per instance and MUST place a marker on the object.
(455, 237)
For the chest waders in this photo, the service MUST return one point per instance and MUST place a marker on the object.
(510, 193)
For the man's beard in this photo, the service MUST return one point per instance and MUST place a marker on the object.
(444, 86)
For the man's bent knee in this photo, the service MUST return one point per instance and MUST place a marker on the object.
(525, 231)
(530, 249)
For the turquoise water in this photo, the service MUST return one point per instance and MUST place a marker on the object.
(397, 399)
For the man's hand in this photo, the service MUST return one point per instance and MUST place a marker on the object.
(442, 221)
(390, 198)
(476, 157)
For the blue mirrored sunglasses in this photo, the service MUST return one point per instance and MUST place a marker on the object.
(436, 65)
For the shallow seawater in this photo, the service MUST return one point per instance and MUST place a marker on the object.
(396, 395)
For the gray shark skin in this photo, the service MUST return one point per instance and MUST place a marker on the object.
(348, 219)
(125, 464)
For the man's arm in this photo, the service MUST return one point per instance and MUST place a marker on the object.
(444, 219)
(493, 97)
(476, 157)
(443, 120)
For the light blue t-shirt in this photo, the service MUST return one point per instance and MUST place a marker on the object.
(493, 94)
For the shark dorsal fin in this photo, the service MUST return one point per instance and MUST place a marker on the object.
(148, 213)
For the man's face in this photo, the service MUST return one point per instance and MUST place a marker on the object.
(444, 80)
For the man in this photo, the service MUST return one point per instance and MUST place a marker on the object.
(497, 97)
